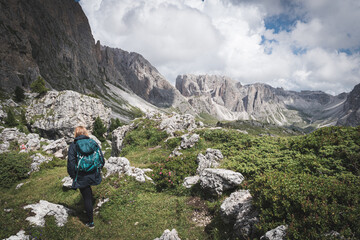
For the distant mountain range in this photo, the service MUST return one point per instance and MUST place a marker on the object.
(53, 39)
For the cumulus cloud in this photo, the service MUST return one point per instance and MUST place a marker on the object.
(315, 48)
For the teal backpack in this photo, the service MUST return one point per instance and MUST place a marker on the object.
(88, 155)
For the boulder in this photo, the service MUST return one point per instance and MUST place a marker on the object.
(278, 233)
(211, 159)
(118, 136)
(218, 180)
(19, 236)
(188, 141)
(4, 147)
(67, 182)
(177, 122)
(95, 139)
(121, 165)
(13, 134)
(45, 208)
(232, 205)
(118, 165)
(169, 235)
(246, 218)
(57, 113)
(33, 143)
(38, 159)
(59, 148)
(190, 181)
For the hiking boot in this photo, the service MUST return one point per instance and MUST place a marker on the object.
(90, 225)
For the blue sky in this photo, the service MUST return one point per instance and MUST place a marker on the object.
(297, 44)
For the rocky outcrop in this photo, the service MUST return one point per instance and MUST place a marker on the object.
(237, 210)
(211, 159)
(228, 100)
(13, 134)
(215, 181)
(351, 109)
(58, 147)
(37, 160)
(190, 181)
(169, 235)
(187, 141)
(121, 165)
(118, 136)
(45, 208)
(67, 182)
(57, 113)
(177, 122)
(33, 143)
(278, 233)
(232, 205)
(19, 236)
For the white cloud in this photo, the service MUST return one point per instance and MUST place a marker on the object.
(225, 37)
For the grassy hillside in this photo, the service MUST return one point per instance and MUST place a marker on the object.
(309, 182)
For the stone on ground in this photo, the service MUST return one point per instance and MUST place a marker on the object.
(169, 235)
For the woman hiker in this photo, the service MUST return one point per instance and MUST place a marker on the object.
(85, 161)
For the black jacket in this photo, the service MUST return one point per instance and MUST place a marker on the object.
(84, 179)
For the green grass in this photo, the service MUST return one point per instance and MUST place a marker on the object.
(135, 210)
(309, 182)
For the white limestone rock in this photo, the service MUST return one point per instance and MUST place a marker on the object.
(33, 143)
(58, 147)
(169, 235)
(177, 122)
(67, 182)
(100, 203)
(118, 136)
(278, 233)
(19, 236)
(232, 205)
(188, 141)
(13, 134)
(38, 159)
(4, 147)
(246, 218)
(218, 180)
(118, 165)
(190, 181)
(45, 208)
(57, 113)
(211, 159)
(121, 165)
(19, 186)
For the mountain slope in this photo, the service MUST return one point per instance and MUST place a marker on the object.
(351, 109)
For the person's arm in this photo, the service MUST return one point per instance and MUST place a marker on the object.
(71, 161)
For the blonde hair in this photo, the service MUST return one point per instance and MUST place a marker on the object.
(80, 130)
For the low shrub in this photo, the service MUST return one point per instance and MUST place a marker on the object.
(170, 173)
(311, 205)
(14, 167)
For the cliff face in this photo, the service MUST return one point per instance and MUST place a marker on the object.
(48, 38)
(351, 109)
(228, 100)
(53, 39)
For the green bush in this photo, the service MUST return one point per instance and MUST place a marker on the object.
(170, 173)
(19, 94)
(10, 120)
(99, 129)
(14, 167)
(311, 205)
(114, 124)
(38, 86)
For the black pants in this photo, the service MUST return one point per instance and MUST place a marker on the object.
(86, 193)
